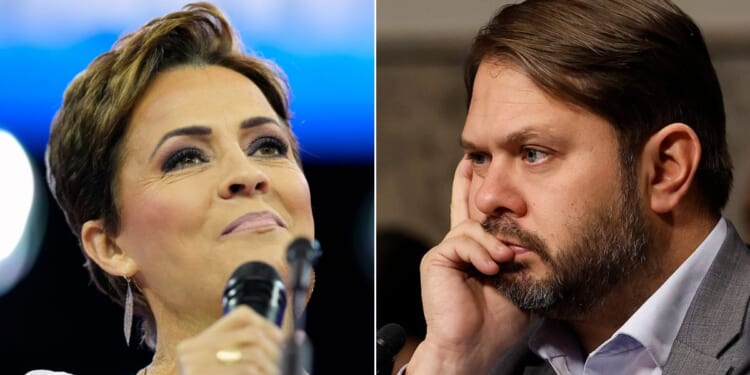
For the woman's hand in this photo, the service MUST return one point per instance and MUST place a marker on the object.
(241, 342)
(469, 322)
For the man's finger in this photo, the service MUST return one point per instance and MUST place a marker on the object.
(460, 193)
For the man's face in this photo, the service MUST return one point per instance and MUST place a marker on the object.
(548, 182)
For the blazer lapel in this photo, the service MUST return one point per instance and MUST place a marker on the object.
(716, 315)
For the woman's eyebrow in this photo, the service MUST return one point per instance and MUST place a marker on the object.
(205, 130)
(257, 121)
(187, 130)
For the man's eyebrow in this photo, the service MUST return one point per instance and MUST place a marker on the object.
(521, 136)
(466, 145)
(257, 121)
(517, 137)
(187, 130)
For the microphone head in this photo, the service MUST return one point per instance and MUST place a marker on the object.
(259, 286)
(303, 249)
(390, 339)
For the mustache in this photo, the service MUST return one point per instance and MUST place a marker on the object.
(507, 229)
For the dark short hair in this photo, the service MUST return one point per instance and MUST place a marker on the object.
(639, 64)
(86, 138)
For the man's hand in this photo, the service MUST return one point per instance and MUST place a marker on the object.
(469, 322)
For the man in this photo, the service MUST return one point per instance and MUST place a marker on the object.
(586, 229)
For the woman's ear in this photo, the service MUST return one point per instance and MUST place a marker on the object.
(103, 250)
(671, 157)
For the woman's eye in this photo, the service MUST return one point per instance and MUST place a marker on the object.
(534, 156)
(268, 147)
(183, 158)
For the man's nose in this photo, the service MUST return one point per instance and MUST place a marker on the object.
(499, 191)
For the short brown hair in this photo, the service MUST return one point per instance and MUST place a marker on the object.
(86, 139)
(639, 64)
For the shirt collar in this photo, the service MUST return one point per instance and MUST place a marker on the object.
(656, 323)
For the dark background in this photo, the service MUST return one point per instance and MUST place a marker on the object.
(56, 319)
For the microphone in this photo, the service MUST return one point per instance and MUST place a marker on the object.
(390, 339)
(259, 286)
(300, 255)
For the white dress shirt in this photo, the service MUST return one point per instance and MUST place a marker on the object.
(642, 345)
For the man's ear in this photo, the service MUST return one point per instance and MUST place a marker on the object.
(670, 160)
(103, 250)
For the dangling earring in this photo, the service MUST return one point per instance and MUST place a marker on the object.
(127, 320)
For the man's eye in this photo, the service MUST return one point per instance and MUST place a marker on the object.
(183, 158)
(534, 156)
(477, 158)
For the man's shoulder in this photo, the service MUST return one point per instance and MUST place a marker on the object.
(715, 334)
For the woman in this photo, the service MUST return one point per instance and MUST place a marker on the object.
(174, 162)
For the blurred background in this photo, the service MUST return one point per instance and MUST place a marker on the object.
(51, 316)
(421, 46)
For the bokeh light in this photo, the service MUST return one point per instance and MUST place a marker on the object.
(21, 227)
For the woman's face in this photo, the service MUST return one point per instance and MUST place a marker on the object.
(208, 181)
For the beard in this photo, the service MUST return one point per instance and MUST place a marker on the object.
(609, 243)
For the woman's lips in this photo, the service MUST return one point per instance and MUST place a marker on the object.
(254, 221)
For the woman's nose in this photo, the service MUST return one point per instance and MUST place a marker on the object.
(244, 179)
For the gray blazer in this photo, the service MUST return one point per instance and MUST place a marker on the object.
(714, 337)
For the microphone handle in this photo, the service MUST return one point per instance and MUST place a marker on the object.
(292, 354)
(384, 361)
